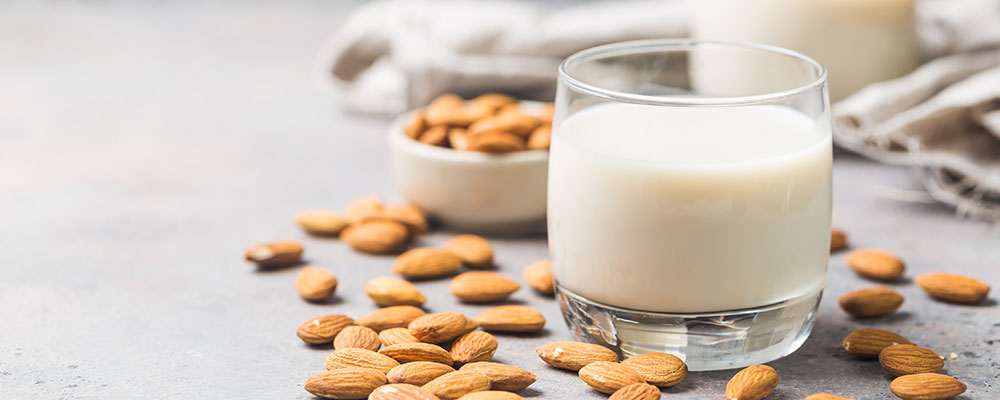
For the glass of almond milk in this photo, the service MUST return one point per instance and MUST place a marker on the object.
(689, 198)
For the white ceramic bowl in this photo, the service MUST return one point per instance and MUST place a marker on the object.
(471, 191)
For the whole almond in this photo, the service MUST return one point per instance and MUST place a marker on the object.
(321, 222)
(868, 342)
(838, 239)
(495, 142)
(905, 359)
(492, 101)
(660, 369)
(434, 136)
(824, 396)
(417, 351)
(386, 291)
(875, 264)
(418, 372)
(409, 215)
(392, 336)
(510, 319)
(540, 138)
(458, 139)
(364, 208)
(323, 329)
(574, 355)
(509, 121)
(448, 110)
(539, 276)
(376, 237)
(439, 328)
(482, 287)
(608, 377)
(502, 376)
(637, 391)
(492, 395)
(474, 251)
(417, 125)
(426, 263)
(275, 254)
(456, 384)
(752, 383)
(473, 346)
(401, 391)
(390, 317)
(360, 358)
(927, 386)
(547, 114)
(315, 284)
(953, 288)
(871, 302)
(345, 383)
(356, 337)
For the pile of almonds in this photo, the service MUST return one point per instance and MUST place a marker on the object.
(491, 123)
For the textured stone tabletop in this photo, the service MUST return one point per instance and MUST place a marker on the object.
(144, 146)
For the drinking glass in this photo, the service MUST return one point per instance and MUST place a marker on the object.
(689, 198)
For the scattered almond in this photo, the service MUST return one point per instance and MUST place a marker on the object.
(376, 236)
(838, 239)
(474, 251)
(345, 383)
(364, 208)
(492, 395)
(323, 329)
(905, 359)
(356, 337)
(871, 302)
(439, 328)
(418, 372)
(540, 138)
(390, 317)
(409, 215)
(401, 391)
(752, 383)
(539, 276)
(637, 391)
(608, 377)
(315, 284)
(386, 291)
(496, 142)
(473, 346)
(868, 342)
(660, 369)
(875, 264)
(360, 358)
(456, 384)
(927, 386)
(425, 263)
(417, 351)
(502, 376)
(321, 222)
(511, 319)
(393, 336)
(275, 254)
(574, 355)
(482, 287)
(953, 288)
(825, 396)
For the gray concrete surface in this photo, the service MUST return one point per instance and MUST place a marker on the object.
(143, 146)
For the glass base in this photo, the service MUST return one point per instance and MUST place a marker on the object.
(706, 342)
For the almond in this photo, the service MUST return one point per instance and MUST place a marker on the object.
(511, 319)
(752, 383)
(417, 351)
(393, 336)
(953, 288)
(492, 101)
(868, 342)
(838, 239)
(540, 138)
(495, 142)
(905, 359)
(376, 237)
(928, 386)
(425, 263)
(482, 287)
(386, 291)
(871, 302)
(434, 136)
(824, 396)
(574, 355)
(492, 395)
(417, 125)
(315, 284)
(473, 346)
(323, 329)
(458, 139)
(364, 208)
(502, 376)
(275, 254)
(321, 222)
(360, 358)
(539, 276)
(547, 114)
(660, 369)
(474, 251)
(875, 264)
(448, 109)
(345, 383)
(390, 317)
(637, 391)
(508, 121)
(439, 328)
(409, 215)
(356, 337)
(418, 372)
(401, 391)
(608, 377)
(456, 384)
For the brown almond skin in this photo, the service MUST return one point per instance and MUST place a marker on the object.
(426, 263)
(752, 383)
(376, 237)
(953, 288)
(360, 358)
(825, 396)
(418, 372)
(275, 254)
(927, 386)
(492, 395)
(905, 359)
(539, 276)
(473, 346)
(315, 284)
(660, 369)
(502, 376)
(608, 377)
(390, 317)
(473, 250)
(574, 355)
(458, 139)
(869, 342)
(492, 101)
(439, 328)
(540, 138)
(637, 391)
(871, 302)
(511, 318)
(409, 215)
(448, 109)
(386, 291)
(482, 287)
(357, 337)
(417, 125)
(323, 329)
(496, 142)
(321, 222)
(401, 391)
(508, 120)
(838, 239)
(875, 264)
(345, 383)
(364, 208)
(454, 385)
(417, 351)
(435, 136)
(393, 336)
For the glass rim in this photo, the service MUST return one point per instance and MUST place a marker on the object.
(665, 45)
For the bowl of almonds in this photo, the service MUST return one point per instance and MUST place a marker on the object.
(478, 165)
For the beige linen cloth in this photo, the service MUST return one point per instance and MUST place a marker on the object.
(943, 119)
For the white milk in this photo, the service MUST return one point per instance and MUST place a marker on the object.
(689, 209)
